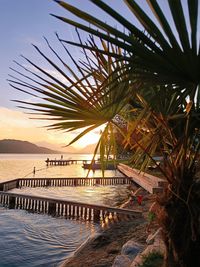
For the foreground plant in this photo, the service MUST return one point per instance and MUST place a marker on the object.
(152, 81)
(153, 259)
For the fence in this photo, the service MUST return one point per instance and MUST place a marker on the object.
(42, 182)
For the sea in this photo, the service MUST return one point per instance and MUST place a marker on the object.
(30, 239)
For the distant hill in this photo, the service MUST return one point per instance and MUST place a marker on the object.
(17, 146)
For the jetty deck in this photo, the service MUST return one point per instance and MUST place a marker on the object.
(63, 162)
(86, 164)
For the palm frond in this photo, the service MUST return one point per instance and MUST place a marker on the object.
(177, 61)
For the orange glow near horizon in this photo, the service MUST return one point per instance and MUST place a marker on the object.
(88, 139)
(17, 125)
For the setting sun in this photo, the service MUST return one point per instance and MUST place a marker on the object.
(90, 138)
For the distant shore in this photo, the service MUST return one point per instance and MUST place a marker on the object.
(12, 146)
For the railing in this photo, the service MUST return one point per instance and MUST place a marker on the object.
(8, 185)
(68, 209)
(46, 182)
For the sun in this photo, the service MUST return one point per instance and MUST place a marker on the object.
(88, 139)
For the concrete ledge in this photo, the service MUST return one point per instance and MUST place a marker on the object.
(150, 183)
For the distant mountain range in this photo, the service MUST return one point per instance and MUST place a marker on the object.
(18, 146)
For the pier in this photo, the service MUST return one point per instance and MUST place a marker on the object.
(86, 164)
(64, 162)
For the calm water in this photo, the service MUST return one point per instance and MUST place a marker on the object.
(21, 165)
(29, 240)
(39, 240)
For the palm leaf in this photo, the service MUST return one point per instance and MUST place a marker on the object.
(165, 57)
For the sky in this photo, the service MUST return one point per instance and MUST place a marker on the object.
(22, 23)
(25, 22)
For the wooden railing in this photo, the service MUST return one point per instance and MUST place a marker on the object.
(68, 209)
(8, 185)
(42, 182)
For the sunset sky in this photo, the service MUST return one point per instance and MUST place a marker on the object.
(24, 22)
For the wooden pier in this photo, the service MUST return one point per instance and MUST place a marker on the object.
(70, 181)
(64, 208)
(86, 164)
(64, 162)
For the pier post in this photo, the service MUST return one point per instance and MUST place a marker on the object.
(96, 215)
(11, 202)
(1, 187)
(52, 208)
(48, 182)
(75, 182)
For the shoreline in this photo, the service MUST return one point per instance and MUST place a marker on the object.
(101, 249)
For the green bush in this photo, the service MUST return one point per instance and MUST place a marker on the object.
(153, 259)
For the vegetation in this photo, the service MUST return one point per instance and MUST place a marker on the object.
(149, 79)
(153, 259)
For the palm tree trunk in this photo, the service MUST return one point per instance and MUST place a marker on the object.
(180, 221)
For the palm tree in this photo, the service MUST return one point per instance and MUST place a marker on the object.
(157, 71)
(161, 59)
(82, 97)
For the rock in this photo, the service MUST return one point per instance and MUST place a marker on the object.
(152, 237)
(131, 249)
(137, 261)
(113, 248)
(121, 261)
